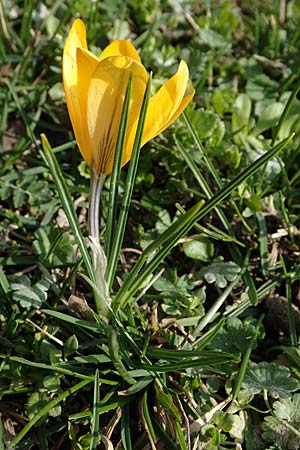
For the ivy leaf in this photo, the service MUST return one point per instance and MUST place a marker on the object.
(270, 377)
(279, 427)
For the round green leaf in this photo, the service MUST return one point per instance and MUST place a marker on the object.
(201, 249)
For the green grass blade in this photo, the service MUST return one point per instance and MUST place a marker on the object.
(115, 175)
(167, 241)
(96, 185)
(168, 443)
(139, 386)
(181, 227)
(180, 436)
(169, 235)
(42, 438)
(207, 337)
(147, 422)
(173, 354)
(212, 231)
(27, 124)
(95, 327)
(95, 436)
(114, 351)
(216, 306)
(263, 243)
(248, 172)
(245, 361)
(218, 358)
(285, 216)
(55, 368)
(201, 148)
(69, 210)
(92, 359)
(289, 296)
(286, 111)
(209, 194)
(4, 283)
(102, 410)
(120, 230)
(25, 34)
(241, 307)
(44, 411)
(125, 427)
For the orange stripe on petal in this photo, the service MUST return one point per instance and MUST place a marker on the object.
(95, 90)
(105, 98)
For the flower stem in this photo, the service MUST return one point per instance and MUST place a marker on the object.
(97, 181)
(101, 293)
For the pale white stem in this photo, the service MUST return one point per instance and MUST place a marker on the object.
(97, 181)
(98, 255)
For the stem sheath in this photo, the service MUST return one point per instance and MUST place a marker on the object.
(97, 181)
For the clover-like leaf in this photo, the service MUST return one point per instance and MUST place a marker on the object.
(288, 409)
(235, 337)
(29, 296)
(270, 377)
(53, 246)
(180, 297)
(280, 427)
(220, 273)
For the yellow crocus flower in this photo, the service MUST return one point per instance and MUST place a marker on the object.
(95, 89)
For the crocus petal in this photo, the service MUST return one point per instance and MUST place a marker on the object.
(105, 98)
(166, 105)
(86, 64)
(76, 40)
(188, 95)
(95, 90)
(120, 48)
